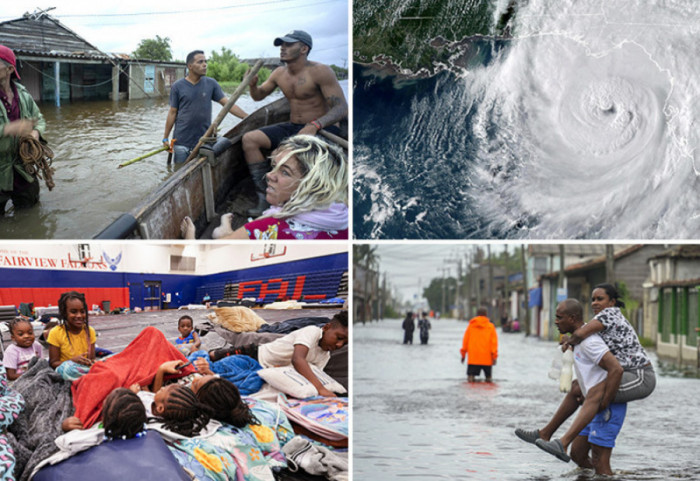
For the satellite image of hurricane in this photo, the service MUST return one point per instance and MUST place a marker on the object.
(539, 119)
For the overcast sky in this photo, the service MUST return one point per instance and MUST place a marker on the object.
(410, 267)
(247, 27)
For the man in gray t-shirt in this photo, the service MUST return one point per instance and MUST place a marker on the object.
(190, 106)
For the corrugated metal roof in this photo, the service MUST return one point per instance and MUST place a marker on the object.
(569, 249)
(45, 36)
(585, 265)
(684, 251)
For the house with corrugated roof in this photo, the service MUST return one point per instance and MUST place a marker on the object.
(56, 64)
(630, 270)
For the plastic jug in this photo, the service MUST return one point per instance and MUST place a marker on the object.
(567, 370)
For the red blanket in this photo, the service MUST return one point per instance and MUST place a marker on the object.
(137, 363)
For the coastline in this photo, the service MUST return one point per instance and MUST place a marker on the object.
(460, 56)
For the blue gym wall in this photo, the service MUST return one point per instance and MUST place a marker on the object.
(321, 279)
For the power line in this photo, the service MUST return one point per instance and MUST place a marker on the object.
(199, 10)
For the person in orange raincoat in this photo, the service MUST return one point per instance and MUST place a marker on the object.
(481, 343)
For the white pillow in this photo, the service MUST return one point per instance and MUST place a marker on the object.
(287, 380)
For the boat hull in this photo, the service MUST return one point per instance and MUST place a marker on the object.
(185, 193)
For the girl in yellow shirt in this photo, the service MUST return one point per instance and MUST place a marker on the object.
(72, 340)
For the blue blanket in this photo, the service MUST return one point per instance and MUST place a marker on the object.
(240, 370)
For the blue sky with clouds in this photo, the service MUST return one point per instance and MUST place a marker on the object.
(247, 27)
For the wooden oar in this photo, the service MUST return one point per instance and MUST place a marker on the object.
(238, 92)
(145, 156)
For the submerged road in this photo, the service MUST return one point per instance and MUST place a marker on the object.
(416, 417)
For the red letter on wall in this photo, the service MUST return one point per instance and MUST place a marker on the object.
(249, 286)
(299, 287)
(281, 291)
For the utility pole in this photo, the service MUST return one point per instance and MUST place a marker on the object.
(458, 261)
(526, 292)
(488, 250)
(610, 263)
(468, 286)
(382, 303)
(458, 288)
(561, 265)
(445, 270)
(506, 286)
(478, 286)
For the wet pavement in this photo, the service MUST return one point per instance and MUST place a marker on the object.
(416, 417)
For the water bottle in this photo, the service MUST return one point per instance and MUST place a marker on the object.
(567, 370)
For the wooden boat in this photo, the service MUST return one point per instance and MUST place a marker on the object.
(200, 188)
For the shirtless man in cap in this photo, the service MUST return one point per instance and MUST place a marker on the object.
(316, 102)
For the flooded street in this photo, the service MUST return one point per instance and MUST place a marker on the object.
(416, 417)
(89, 140)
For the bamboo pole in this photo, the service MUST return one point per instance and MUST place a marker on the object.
(338, 140)
(145, 156)
(238, 92)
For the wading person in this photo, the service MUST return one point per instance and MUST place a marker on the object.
(424, 328)
(480, 343)
(190, 106)
(599, 421)
(19, 116)
(316, 102)
(638, 377)
(308, 191)
(408, 327)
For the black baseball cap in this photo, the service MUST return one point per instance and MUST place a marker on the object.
(295, 36)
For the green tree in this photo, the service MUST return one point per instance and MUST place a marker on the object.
(154, 49)
(225, 66)
(433, 293)
(340, 72)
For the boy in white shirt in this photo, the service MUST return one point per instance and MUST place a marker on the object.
(305, 346)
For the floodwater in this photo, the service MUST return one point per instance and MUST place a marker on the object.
(416, 417)
(89, 140)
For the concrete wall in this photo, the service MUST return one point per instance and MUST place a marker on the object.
(164, 76)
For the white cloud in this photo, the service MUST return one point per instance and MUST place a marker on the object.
(247, 27)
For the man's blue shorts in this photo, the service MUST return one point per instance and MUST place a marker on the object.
(603, 433)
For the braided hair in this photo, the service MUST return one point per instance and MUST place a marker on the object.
(183, 413)
(224, 399)
(11, 324)
(124, 417)
(63, 312)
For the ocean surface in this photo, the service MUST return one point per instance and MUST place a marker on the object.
(416, 416)
(581, 125)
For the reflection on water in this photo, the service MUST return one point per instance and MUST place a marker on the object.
(415, 416)
(89, 140)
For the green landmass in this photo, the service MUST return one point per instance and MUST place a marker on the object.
(403, 29)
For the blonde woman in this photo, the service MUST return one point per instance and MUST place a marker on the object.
(307, 189)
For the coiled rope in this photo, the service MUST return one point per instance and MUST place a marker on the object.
(37, 158)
